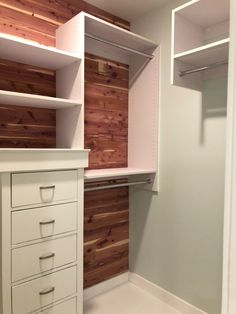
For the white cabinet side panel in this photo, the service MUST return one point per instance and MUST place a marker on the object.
(143, 115)
(70, 85)
(5, 272)
(80, 241)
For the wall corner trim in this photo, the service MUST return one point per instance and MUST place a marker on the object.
(165, 296)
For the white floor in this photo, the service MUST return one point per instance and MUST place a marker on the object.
(127, 299)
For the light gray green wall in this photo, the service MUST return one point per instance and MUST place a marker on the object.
(176, 236)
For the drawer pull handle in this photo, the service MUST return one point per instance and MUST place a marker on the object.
(47, 291)
(47, 187)
(47, 222)
(50, 255)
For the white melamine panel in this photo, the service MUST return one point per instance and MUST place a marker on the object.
(37, 101)
(42, 159)
(187, 35)
(205, 12)
(62, 217)
(70, 85)
(27, 52)
(115, 34)
(143, 114)
(43, 187)
(68, 307)
(206, 55)
(30, 260)
(115, 173)
(26, 297)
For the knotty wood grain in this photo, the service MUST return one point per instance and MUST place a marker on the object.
(106, 235)
(38, 20)
(106, 112)
(25, 127)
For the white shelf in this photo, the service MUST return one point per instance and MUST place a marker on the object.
(115, 173)
(117, 35)
(42, 159)
(205, 55)
(37, 101)
(27, 52)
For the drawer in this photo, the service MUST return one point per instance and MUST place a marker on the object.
(40, 188)
(37, 258)
(68, 307)
(43, 222)
(35, 294)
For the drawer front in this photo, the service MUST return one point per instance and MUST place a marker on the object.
(38, 258)
(35, 294)
(43, 222)
(43, 188)
(68, 307)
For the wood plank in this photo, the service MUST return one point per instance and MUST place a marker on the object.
(26, 79)
(105, 272)
(38, 21)
(24, 127)
(106, 234)
(106, 112)
(106, 72)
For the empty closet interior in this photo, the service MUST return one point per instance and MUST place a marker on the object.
(74, 77)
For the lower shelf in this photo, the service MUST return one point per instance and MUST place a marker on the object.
(115, 173)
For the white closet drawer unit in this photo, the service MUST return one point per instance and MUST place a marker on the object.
(37, 258)
(68, 307)
(43, 222)
(41, 188)
(35, 294)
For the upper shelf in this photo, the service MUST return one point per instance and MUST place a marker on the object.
(205, 55)
(112, 33)
(37, 101)
(115, 173)
(27, 52)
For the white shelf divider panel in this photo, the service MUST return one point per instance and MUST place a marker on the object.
(27, 52)
(115, 173)
(37, 101)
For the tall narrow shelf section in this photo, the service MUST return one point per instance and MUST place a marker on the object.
(109, 41)
(200, 42)
(69, 79)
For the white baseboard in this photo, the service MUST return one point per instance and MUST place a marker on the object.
(105, 286)
(165, 296)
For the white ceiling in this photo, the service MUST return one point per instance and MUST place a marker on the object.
(127, 9)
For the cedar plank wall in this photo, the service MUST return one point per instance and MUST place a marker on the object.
(106, 218)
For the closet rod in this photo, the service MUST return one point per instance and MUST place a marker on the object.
(117, 185)
(119, 46)
(200, 69)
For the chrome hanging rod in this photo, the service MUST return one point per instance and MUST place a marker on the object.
(119, 46)
(117, 185)
(204, 68)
